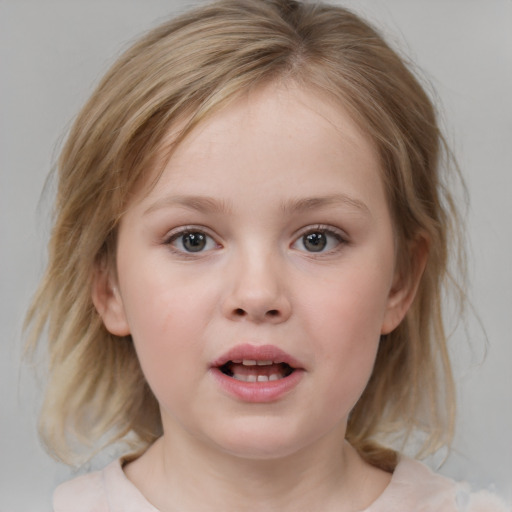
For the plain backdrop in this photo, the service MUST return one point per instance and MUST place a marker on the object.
(52, 53)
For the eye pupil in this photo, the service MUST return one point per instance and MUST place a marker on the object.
(314, 242)
(194, 242)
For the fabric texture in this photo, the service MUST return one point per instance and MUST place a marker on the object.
(413, 488)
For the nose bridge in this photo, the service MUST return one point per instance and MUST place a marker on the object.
(258, 290)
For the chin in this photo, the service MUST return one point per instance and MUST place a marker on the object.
(268, 442)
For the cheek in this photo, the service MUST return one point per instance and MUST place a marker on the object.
(347, 322)
(350, 309)
(167, 321)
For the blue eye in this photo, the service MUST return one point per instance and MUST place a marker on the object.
(192, 241)
(318, 240)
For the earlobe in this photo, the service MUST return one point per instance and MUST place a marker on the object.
(405, 287)
(108, 302)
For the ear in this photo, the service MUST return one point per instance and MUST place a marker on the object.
(405, 285)
(108, 301)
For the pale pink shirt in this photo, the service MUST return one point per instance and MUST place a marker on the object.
(413, 488)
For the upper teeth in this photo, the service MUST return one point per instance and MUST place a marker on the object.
(258, 378)
(252, 362)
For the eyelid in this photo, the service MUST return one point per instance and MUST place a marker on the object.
(337, 233)
(189, 228)
(175, 233)
(324, 228)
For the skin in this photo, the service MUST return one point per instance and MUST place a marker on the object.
(256, 177)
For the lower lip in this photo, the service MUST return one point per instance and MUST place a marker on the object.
(257, 392)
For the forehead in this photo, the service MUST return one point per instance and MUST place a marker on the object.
(280, 136)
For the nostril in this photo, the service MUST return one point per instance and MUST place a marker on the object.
(273, 313)
(239, 312)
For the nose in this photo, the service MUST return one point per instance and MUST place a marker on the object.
(258, 291)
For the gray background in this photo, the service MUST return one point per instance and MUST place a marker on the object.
(53, 52)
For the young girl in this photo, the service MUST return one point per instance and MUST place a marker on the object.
(245, 272)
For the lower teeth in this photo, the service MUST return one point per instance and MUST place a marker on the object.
(234, 370)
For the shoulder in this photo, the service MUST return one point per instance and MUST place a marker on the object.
(416, 487)
(101, 491)
(86, 493)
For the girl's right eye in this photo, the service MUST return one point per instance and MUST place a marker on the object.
(191, 241)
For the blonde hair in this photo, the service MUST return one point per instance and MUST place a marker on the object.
(185, 70)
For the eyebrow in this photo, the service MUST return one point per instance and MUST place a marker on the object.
(315, 203)
(210, 205)
(202, 204)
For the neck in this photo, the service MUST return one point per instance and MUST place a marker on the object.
(181, 476)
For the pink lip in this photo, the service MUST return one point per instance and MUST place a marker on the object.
(257, 392)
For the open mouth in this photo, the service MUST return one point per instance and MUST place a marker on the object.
(249, 370)
(257, 373)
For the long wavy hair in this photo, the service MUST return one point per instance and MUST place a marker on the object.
(179, 74)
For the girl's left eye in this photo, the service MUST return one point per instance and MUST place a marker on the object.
(192, 241)
(319, 240)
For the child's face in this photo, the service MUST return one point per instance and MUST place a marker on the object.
(268, 237)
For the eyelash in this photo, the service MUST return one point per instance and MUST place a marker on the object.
(328, 231)
(182, 232)
(340, 237)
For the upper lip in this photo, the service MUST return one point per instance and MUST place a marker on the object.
(257, 353)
